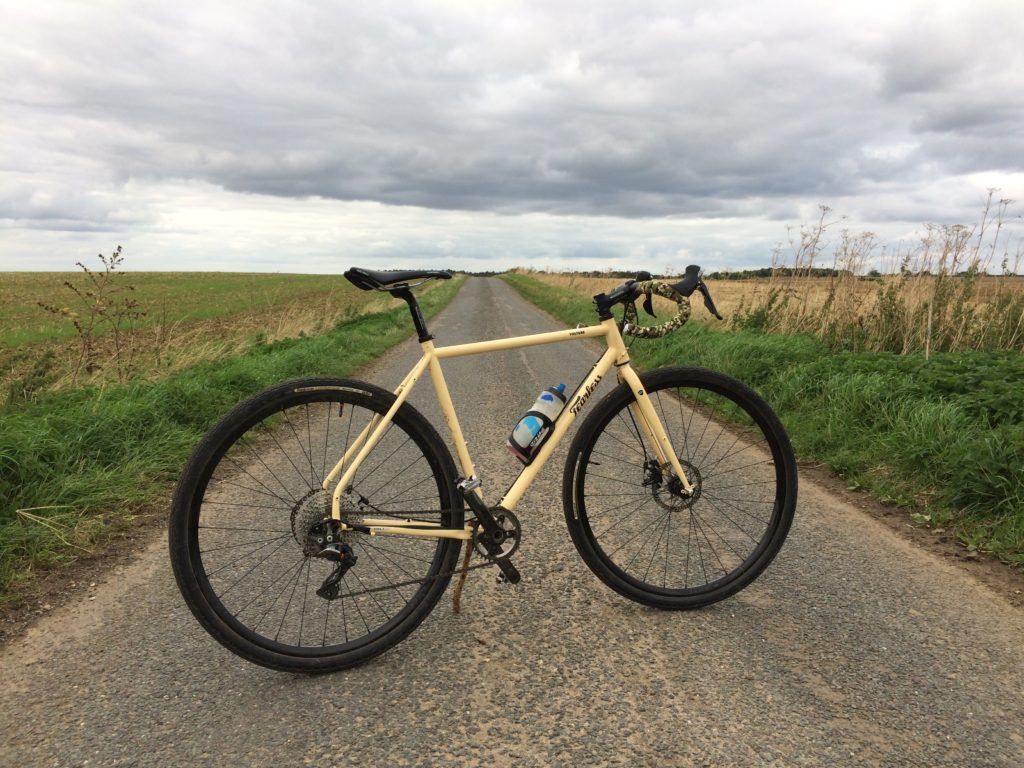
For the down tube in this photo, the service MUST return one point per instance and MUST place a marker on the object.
(526, 477)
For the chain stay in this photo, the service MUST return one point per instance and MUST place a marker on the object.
(410, 516)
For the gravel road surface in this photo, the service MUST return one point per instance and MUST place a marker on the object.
(854, 648)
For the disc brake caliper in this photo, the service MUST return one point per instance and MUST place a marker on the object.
(652, 474)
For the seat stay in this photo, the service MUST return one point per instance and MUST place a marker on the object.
(354, 446)
(371, 440)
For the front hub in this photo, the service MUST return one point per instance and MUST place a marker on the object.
(672, 496)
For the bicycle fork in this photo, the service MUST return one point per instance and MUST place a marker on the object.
(646, 417)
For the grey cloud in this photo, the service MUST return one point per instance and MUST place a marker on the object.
(628, 110)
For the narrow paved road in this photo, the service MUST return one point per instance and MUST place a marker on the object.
(853, 649)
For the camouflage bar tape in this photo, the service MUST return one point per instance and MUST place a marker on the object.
(655, 331)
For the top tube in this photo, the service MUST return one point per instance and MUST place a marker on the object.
(514, 342)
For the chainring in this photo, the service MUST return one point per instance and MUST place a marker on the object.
(513, 531)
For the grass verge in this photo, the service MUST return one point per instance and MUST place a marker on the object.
(942, 437)
(75, 465)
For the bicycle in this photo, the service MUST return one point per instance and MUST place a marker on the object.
(316, 549)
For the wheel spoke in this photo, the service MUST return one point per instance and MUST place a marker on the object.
(392, 480)
(242, 544)
(307, 456)
(282, 539)
(382, 461)
(383, 573)
(245, 545)
(737, 508)
(244, 575)
(737, 469)
(287, 504)
(657, 544)
(406, 490)
(636, 432)
(305, 594)
(686, 430)
(621, 520)
(643, 537)
(700, 530)
(268, 492)
(286, 570)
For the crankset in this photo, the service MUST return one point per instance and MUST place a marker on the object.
(493, 536)
(507, 539)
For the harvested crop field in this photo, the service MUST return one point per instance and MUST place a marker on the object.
(181, 319)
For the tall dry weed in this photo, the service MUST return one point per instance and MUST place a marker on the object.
(935, 297)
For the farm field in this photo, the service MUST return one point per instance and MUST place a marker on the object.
(172, 296)
(183, 319)
(736, 295)
(941, 436)
(79, 460)
(830, 306)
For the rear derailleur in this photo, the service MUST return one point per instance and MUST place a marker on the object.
(325, 540)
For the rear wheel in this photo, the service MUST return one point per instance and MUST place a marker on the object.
(630, 521)
(244, 533)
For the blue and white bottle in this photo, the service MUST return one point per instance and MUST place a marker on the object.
(534, 428)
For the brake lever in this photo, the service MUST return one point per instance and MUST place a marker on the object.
(708, 303)
(649, 304)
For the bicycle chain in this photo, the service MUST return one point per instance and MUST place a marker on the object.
(447, 574)
(425, 580)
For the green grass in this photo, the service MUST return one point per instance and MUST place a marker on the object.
(75, 465)
(943, 437)
(187, 296)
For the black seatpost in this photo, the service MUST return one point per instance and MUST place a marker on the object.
(414, 308)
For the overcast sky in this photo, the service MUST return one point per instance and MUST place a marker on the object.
(310, 136)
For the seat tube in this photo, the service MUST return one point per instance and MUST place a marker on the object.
(444, 399)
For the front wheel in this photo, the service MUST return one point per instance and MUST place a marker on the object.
(627, 517)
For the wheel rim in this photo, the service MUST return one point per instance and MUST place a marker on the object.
(254, 570)
(669, 545)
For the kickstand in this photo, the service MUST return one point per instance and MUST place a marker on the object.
(457, 594)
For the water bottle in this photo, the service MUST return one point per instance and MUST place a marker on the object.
(535, 427)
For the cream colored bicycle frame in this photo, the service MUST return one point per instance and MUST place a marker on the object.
(616, 355)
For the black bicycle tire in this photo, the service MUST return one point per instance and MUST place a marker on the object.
(204, 459)
(590, 431)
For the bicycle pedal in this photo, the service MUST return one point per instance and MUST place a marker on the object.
(467, 484)
(508, 573)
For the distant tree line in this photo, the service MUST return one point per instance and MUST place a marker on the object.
(750, 274)
(741, 274)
